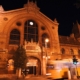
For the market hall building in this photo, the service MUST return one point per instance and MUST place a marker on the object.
(48, 52)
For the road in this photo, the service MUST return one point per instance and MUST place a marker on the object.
(32, 78)
(27, 78)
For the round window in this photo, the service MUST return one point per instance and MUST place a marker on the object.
(18, 23)
(43, 28)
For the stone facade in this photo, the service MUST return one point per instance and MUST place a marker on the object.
(11, 19)
(12, 33)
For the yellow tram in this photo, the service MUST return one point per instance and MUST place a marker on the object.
(59, 69)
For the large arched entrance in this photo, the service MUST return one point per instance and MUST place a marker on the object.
(33, 66)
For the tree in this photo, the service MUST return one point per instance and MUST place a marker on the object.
(20, 58)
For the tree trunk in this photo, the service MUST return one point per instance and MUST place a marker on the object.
(18, 72)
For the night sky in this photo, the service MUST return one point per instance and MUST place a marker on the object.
(66, 12)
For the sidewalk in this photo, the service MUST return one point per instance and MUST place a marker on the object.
(36, 78)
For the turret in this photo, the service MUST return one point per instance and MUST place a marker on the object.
(1, 9)
(31, 6)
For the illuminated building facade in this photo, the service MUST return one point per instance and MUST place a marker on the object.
(29, 27)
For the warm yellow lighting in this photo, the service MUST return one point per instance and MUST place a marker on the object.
(44, 56)
(31, 23)
(48, 57)
(48, 74)
(46, 40)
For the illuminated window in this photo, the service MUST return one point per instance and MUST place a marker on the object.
(14, 37)
(31, 31)
(50, 66)
(45, 36)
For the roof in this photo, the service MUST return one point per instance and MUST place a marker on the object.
(68, 40)
(76, 30)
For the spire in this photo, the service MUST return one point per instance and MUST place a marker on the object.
(55, 20)
(35, 2)
(31, 1)
(31, 6)
(76, 29)
(28, 1)
(1, 8)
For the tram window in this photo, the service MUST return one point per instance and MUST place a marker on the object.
(50, 66)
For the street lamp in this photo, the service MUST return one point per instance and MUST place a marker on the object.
(46, 46)
(45, 56)
(46, 42)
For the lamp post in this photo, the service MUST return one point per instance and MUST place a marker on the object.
(45, 56)
(46, 46)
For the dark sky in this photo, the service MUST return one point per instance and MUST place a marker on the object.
(65, 11)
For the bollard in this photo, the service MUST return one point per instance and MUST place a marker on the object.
(69, 75)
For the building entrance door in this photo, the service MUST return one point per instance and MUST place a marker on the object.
(32, 66)
(31, 70)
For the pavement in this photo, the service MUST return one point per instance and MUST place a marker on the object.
(36, 78)
(31, 77)
(26, 78)
(43, 78)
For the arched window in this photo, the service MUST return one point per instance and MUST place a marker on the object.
(14, 37)
(63, 51)
(45, 36)
(71, 51)
(79, 51)
(31, 31)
